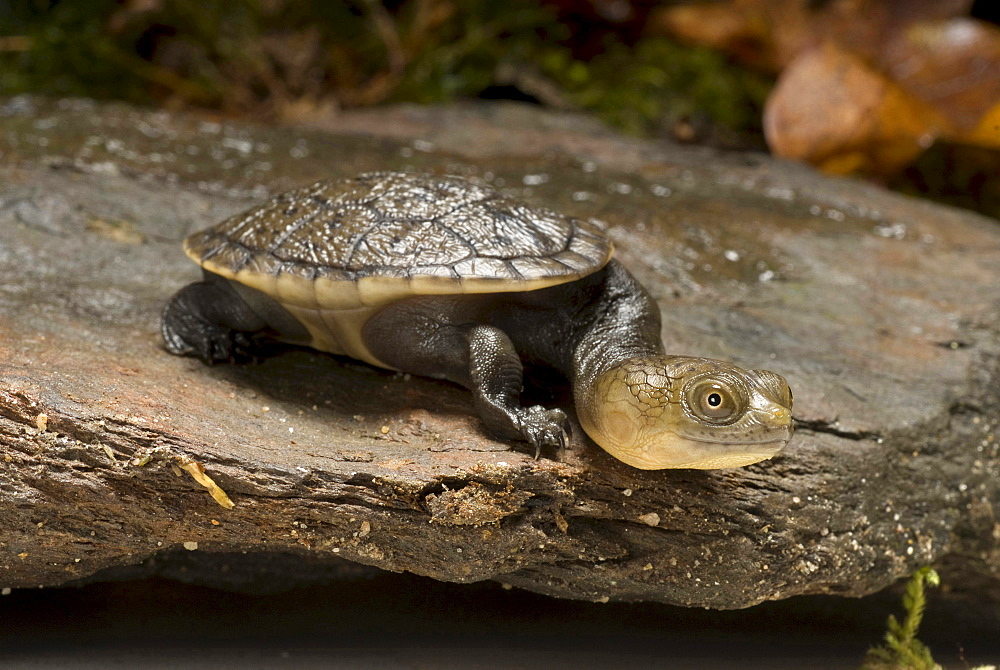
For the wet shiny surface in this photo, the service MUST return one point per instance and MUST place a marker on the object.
(399, 225)
(880, 311)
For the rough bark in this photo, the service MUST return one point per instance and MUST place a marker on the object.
(880, 310)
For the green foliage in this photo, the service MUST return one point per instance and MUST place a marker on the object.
(463, 55)
(62, 44)
(902, 649)
(211, 53)
(266, 56)
(647, 89)
(226, 53)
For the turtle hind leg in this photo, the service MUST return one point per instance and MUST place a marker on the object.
(209, 320)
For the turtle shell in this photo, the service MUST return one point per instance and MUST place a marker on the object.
(385, 236)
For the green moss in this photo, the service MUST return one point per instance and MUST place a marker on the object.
(647, 89)
(902, 649)
(255, 56)
(462, 56)
(209, 53)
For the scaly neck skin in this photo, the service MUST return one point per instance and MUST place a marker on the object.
(624, 323)
(654, 411)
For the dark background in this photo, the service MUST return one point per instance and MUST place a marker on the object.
(404, 621)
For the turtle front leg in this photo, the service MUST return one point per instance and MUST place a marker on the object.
(495, 378)
(208, 319)
(480, 357)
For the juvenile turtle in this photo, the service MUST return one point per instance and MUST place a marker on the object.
(445, 277)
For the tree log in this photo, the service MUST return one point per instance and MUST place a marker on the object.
(880, 310)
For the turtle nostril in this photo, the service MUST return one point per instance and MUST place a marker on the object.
(781, 415)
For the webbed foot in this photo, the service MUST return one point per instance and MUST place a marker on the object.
(211, 344)
(197, 322)
(543, 427)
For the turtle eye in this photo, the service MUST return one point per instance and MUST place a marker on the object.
(713, 401)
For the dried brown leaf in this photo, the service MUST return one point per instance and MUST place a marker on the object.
(833, 109)
(197, 471)
(744, 29)
(952, 65)
(987, 132)
(770, 34)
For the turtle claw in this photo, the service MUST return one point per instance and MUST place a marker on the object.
(245, 347)
(563, 440)
(544, 428)
(224, 346)
(209, 343)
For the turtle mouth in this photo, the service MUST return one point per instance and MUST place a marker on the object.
(734, 460)
(670, 451)
(782, 439)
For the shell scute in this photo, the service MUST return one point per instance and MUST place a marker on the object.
(395, 234)
(486, 267)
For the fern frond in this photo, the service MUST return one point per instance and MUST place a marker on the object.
(902, 649)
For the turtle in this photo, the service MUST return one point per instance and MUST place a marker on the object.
(446, 277)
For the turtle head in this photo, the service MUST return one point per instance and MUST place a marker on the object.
(680, 412)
